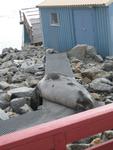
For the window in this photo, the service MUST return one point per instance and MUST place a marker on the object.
(54, 19)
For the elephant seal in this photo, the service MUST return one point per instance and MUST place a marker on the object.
(64, 90)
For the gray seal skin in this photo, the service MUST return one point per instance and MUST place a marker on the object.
(66, 91)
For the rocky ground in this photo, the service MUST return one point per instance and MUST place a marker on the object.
(20, 71)
(96, 74)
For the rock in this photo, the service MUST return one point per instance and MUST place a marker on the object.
(12, 114)
(50, 51)
(108, 134)
(86, 80)
(32, 82)
(85, 53)
(25, 109)
(101, 85)
(34, 69)
(78, 52)
(104, 74)
(96, 141)
(77, 146)
(27, 63)
(4, 104)
(20, 92)
(18, 62)
(108, 101)
(4, 85)
(109, 58)
(96, 96)
(5, 97)
(17, 103)
(3, 115)
(7, 64)
(65, 91)
(39, 73)
(18, 77)
(13, 69)
(91, 72)
(108, 66)
(99, 58)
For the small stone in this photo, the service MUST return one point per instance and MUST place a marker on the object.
(108, 101)
(4, 85)
(25, 109)
(96, 141)
(3, 115)
(12, 114)
(99, 58)
(77, 146)
(96, 96)
(39, 73)
(109, 134)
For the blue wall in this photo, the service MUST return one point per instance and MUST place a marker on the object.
(58, 37)
(111, 29)
(26, 36)
(91, 26)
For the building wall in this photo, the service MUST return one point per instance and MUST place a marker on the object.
(102, 37)
(58, 37)
(78, 26)
(26, 36)
(110, 11)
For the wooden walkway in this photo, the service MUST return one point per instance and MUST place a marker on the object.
(30, 17)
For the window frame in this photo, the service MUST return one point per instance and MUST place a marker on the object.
(58, 19)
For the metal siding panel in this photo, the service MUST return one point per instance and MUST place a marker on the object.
(110, 14)
(102, 31)
(58, 37)
(26, 36)
(83, 24)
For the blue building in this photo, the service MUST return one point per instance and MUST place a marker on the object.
(66, 23)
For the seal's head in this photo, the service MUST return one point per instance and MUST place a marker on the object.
(84, 103)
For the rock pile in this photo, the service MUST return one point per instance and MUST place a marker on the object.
(20, 71)
(96, 74)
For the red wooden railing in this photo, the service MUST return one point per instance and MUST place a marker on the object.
(56, 134)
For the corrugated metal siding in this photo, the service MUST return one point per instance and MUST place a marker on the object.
(26, 36)
(102, 31)
(58, 37)
(83, 24)
(64, 37)
(110, 11)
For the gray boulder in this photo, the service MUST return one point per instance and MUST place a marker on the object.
(4, 104)
(18, 77)
(4, 85)
(101, 85)
(108, 66)
(17, 103)
(20, 92)
(85, 53)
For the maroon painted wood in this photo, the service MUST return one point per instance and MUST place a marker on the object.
(56, 134)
